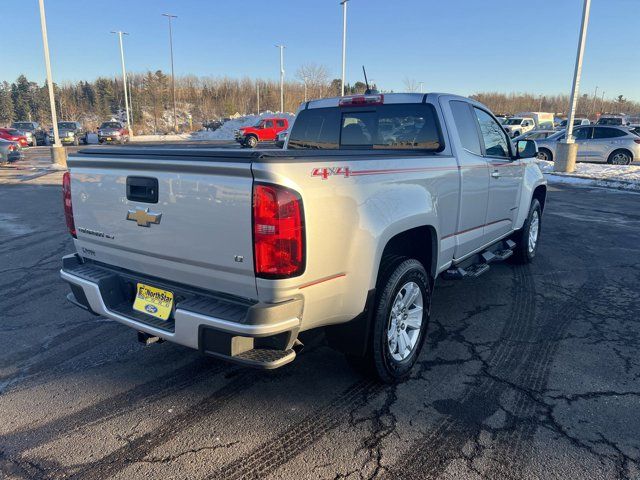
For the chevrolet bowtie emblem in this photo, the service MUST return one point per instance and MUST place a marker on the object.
(143, 217)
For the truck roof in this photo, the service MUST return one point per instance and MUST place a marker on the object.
(389, 98)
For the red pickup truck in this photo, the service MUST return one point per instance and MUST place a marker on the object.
(265, 130)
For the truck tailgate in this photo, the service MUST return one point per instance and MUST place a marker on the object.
(198, 233)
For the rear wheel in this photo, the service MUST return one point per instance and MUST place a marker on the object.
(527, 238)
(400, 319)
(620, 157)
(544, 154)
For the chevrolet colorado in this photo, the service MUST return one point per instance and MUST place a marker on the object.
(236, 252)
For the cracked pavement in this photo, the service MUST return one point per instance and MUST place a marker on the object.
(528, 372)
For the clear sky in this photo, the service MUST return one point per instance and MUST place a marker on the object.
(458, 46)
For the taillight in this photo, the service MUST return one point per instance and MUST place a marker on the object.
(361, 100)
(278, 232)
(68, 208)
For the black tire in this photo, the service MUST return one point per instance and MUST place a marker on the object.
(544, 152)
(251, 141)
(522, 253)
(395, 273)
(620, 157)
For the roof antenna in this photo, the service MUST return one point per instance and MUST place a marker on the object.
(368, 91)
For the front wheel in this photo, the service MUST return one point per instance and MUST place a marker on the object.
(251, 141)
(527, 238)
(544, 154)
(401, 315)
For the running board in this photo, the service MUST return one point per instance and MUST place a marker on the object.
(474, 270)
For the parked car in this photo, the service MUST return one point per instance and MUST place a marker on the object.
(516, 126)
(541, 120)
(535, 135)
(35, 135)
(113, 131)
(577, 122)
(235, 253)
(71, 133)
(615, 145)
(10, 151)
(15, 136)
(264, 130)
(614, 120)
(281, 138)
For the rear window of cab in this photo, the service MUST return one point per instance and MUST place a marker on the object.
(411, 126)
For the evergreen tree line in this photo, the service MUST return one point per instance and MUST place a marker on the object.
(201, 99)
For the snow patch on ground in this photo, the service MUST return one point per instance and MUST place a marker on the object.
(225, 132)
(624, 177)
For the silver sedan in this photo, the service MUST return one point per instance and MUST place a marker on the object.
(615, 145)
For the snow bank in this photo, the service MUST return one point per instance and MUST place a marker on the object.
(624, 177)
(225, 132)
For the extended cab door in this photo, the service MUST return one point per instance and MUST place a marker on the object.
(474, 179)
(268, 131)
(505, 176)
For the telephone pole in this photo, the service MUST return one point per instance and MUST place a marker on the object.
(595, 99)
(173, 77)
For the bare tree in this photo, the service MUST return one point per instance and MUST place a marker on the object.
(410, 84)
(316, 77)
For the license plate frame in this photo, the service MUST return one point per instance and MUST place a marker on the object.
(153, 301)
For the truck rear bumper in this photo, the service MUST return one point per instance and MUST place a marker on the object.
(247, 332)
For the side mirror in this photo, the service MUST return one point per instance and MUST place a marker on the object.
(526, 149)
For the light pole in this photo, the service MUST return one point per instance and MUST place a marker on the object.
(124, 81)
(258, 95)
(58, 153)
(595, 99)
(567, 150)
(281, 47)
(344, 43)
(602, 103)
(173, 78)
(421, 86)
(305, 78)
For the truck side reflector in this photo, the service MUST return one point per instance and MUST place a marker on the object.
(68, 208)
(278, 232)
(361, 100)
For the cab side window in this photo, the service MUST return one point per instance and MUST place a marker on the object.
(466, 125)
(268, 124)
(280, 123)
(493, 136)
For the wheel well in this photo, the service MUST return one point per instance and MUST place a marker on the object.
(540, 193)
(628, 152)
(418, 243)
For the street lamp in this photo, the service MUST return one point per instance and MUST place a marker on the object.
(344, 43)
(281, 47)
(421, 86)
(567, 150)
(305, 78)
(58, 154)
(124, 81)
(173, 78)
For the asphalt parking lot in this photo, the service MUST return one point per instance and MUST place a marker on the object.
(528, 372)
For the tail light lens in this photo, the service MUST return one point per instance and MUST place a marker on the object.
(361, 100)
(68, 208)
(278, 232)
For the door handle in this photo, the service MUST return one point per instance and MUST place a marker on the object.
(495, 174)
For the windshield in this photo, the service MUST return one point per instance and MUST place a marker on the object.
(22, 125)
(513, 121)
(67, 125)
(110, 125)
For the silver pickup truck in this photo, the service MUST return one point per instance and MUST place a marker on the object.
(235, 252)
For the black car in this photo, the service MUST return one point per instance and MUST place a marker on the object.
(71, 133)
(35, 135)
